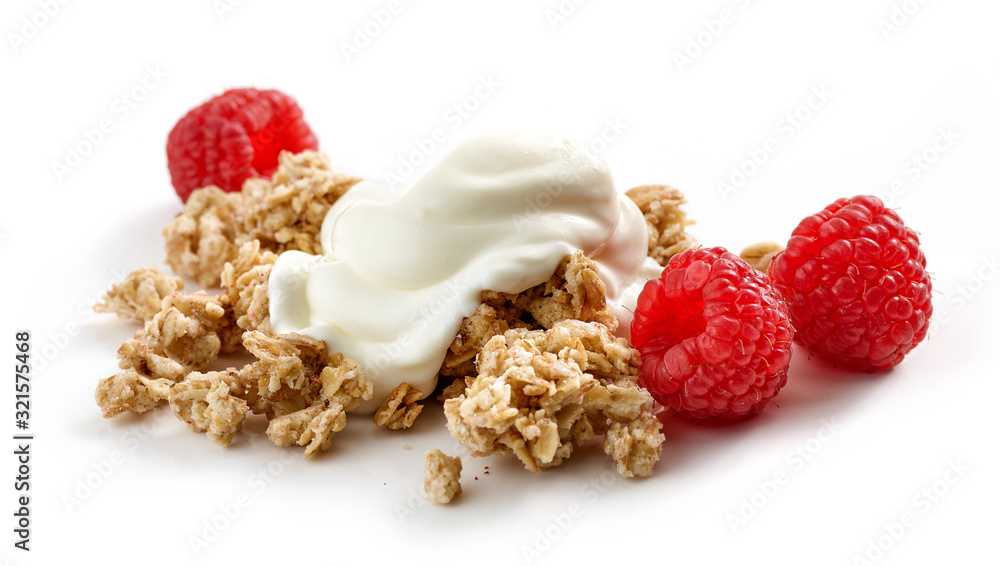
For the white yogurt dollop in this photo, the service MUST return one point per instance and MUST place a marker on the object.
(400, 270)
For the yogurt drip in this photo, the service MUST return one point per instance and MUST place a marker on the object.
(401, 269)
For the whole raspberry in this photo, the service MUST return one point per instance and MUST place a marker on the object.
(714, 335)
(857, 284)
(234, 136)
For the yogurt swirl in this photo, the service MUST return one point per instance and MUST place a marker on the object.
(401, 269)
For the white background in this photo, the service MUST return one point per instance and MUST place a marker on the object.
(899, 77)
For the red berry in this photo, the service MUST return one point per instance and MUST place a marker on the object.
(234, 136)
(714, 335)
(857, 285)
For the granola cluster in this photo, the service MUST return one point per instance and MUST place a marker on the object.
(665, 220)
(139, 295)
(538, 394)
(283, 213)
(302, 391)
(574, 292)
(186, 335)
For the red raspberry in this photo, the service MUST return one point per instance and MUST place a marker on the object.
(234, 136)
(857, 284)
(714, 335)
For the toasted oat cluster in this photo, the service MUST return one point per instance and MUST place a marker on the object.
(244, 283)
(574, 292)
(139, 295)
(538, 394)
(202, 238)
(283, 213)
(441, 477)
(303, 392)
(665, 220)
(400, 408)
(287, 212)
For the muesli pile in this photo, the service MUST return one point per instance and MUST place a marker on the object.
(533, 374)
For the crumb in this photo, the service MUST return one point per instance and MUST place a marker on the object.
(636, 446)
(441, 477)
(759, 255)
(139, 295)
(400, 408)
(540, 393)
(287, 211)
(202, 238)
(665, 220)
(406, 447)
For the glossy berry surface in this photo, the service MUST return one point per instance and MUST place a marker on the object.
(235, 136)
(857, 284)
(714, 335)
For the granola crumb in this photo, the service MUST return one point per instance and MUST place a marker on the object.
(636, 446)
(759, 255)
(202, 238)
(666, 221)
(139, 295)
(441, 476)
(400, 408)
